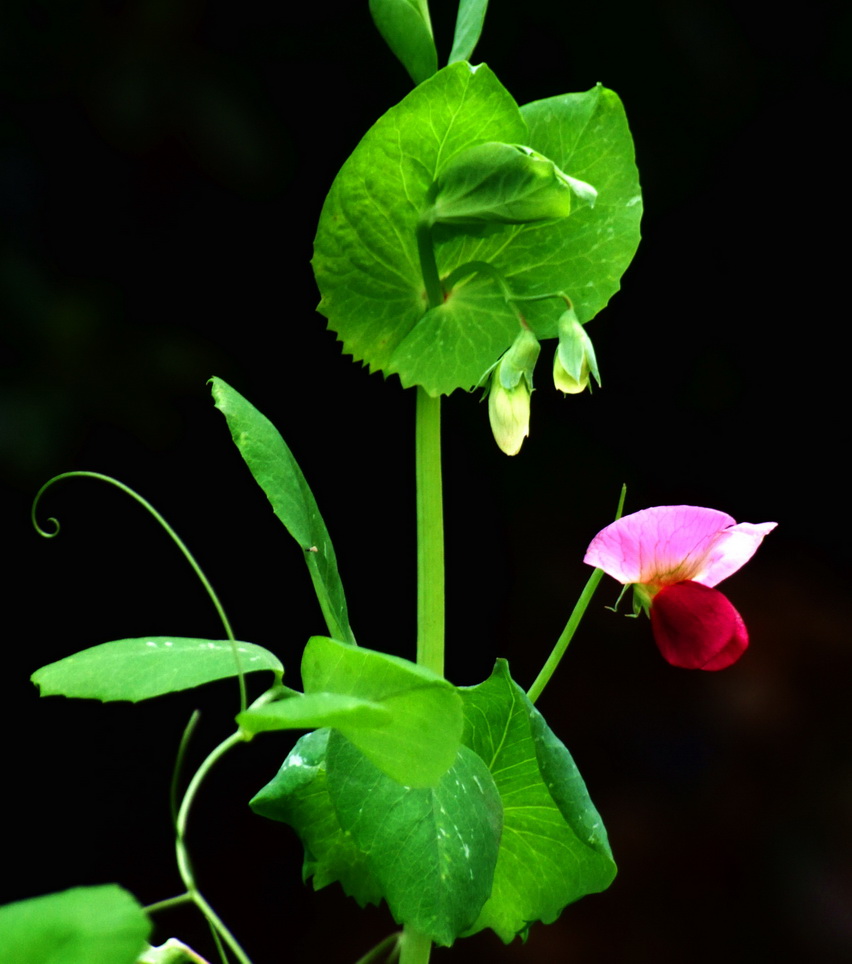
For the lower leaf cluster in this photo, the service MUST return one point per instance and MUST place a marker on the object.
(507, 836)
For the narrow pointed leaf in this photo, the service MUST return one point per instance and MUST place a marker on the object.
(139, 669)
(407, 30)
(278, 474)
(469, 22)
(554, 848)
(83, 925)
(422, 737)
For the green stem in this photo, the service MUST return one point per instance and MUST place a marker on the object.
(415, 947)
(430, 534)
(168, 903)
(549, 667)
(389, 945)
(428, 265)
(184, 864)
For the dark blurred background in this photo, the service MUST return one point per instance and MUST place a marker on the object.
(162, 168)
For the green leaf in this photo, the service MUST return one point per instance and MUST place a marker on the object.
(469, 22)
(365, 254)
(587, 136)
(84, 925)
(278, 474)
(298, 796)
(139, 669)
(301, 712)
(366, 257)
(407, 30)
(431, 850)
(554, 847)
(419, 740)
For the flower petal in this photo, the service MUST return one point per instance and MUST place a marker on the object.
(696, 627)
(731, 550)
(659, 546)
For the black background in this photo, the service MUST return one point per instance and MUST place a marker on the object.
(162, 167)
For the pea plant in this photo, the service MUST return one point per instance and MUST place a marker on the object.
(463, 231)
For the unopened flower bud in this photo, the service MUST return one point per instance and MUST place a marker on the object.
(574, 360)
(509, 412)
(506, 183)
(509, 393)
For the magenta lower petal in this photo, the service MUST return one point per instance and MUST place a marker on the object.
(696, 627)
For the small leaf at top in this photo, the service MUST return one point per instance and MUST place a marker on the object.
(83, 925)
(554, 847)
(469, 22)
(407, 30)
(139, 669)
(278, 474)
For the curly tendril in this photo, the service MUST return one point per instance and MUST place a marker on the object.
(46, 533)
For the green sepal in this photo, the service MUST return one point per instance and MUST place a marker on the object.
(83, 925)
(407, 29)
(503, 183)
(554, 847)
(275, 470)
(140, 669)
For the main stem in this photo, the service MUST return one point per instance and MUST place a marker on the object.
(430, 534)
(415, 948)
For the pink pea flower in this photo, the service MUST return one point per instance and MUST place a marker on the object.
(673, 556)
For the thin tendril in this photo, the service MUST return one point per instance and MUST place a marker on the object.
(175, 538)
(391, 941)
(181, 754)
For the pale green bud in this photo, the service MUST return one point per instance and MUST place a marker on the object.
(574, 360)
(509, 413)
(509, 394)
(504, 183)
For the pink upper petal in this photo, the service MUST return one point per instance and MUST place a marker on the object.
(696, 627)
(661, 545)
